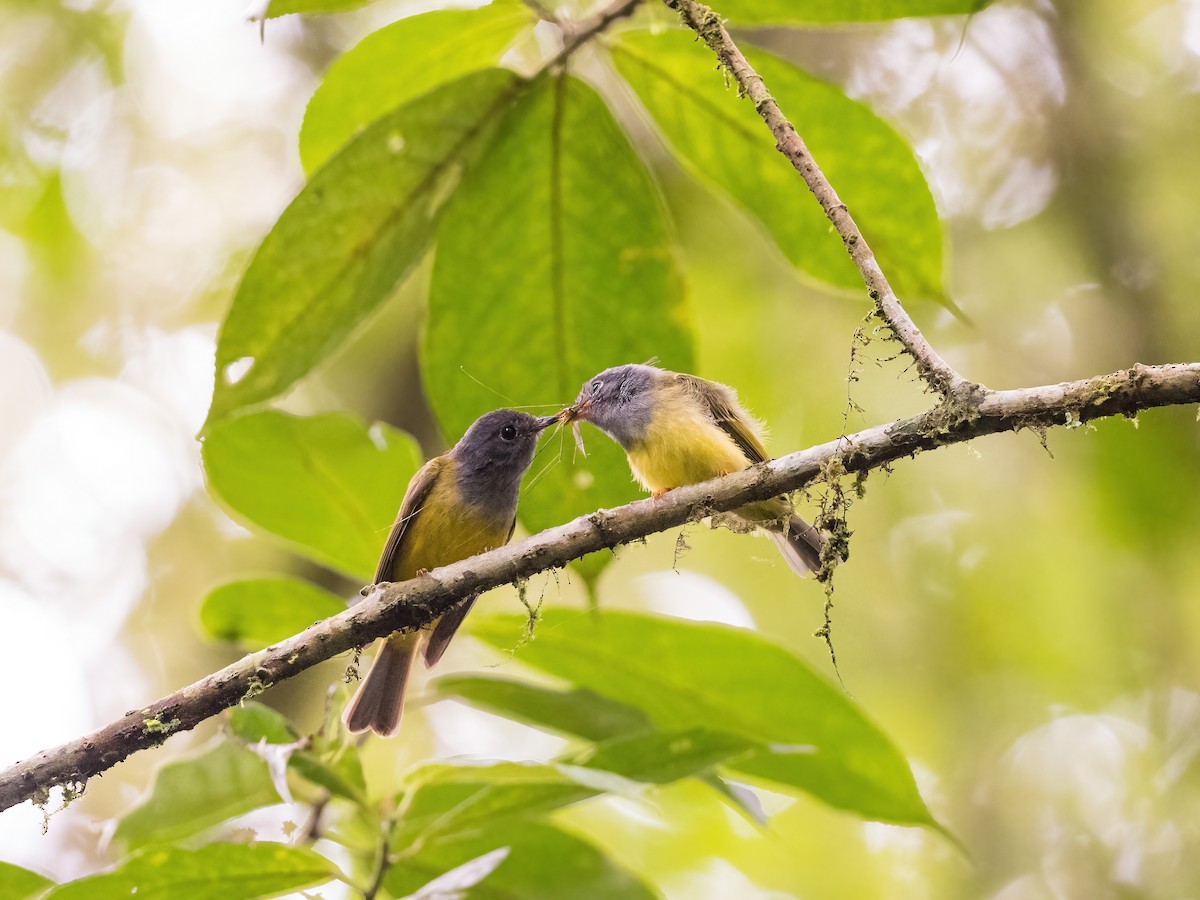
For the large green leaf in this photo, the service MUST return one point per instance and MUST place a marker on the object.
(317, 7)
(450, 800)
(691, 675)
(327, 484)
(553, 263)
(724, 143)
(399, 62)
(663, 756)
(577, 712)
(20, 884)
(833, 12)
(190, 795)
(543, 863)
(361, 223)
(215, 872)
(261, 611)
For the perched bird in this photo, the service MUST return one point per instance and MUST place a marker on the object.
(679, 429)
(458, 504)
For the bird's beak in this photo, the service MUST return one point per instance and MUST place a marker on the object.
(544, 422)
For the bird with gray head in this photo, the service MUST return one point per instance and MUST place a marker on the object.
(679, 429)
(458, 504)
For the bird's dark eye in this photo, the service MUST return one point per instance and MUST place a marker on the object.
(508, 433)
(597, 386)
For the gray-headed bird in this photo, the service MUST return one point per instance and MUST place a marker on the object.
(679, 429)
(458, 504)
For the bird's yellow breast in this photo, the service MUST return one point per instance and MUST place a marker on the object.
(682, 445)
(445, 530)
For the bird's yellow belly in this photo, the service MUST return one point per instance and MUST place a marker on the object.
(683, 450)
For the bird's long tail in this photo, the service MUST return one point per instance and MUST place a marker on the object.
(800, 545)
(379, 700)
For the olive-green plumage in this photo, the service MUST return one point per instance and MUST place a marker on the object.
(458, 504)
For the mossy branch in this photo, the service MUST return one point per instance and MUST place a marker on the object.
(936, 372)
(391, 607)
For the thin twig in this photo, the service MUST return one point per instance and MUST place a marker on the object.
(311, 832)
(936, 372)
(382, 866)
(575, 35)
(541, 11)
(411, 604)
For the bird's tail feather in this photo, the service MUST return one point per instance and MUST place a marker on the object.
(801, 546)
(379, 701)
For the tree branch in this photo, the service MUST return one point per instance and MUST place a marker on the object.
(936, 372)
(414, 603)
(576, 34)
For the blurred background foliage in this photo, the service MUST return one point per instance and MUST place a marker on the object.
(1021, 625)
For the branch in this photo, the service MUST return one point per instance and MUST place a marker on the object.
(576, 34)
(414, 603)
(938, 373)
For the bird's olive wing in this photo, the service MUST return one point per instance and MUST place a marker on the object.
(722, 404)
(410, 507)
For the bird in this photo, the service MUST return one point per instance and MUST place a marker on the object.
(458, 504)
(679, 429)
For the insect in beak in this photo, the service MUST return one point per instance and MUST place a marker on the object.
(572, 416)
(578, 438)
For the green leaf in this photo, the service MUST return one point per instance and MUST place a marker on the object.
(448, 799)
(193, 794)
(724, 143)
(339, 773)
(399, 62)
(338, 769)
(575, 713)
(256, 722)
(663, 757)
(553, 263)
(833, 12)
(327, 484)
(691, 675)
(20, 884)
(359, 226)
(456, 882)
(214, 872)
(578, 712)
(259, 612)
(458, 799)
(544, 863)
(316, 7)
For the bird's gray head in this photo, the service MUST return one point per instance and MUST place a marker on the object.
(619, 401)
(492, 457)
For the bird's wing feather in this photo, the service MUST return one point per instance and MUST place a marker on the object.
(410, 507)
(721, 403)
